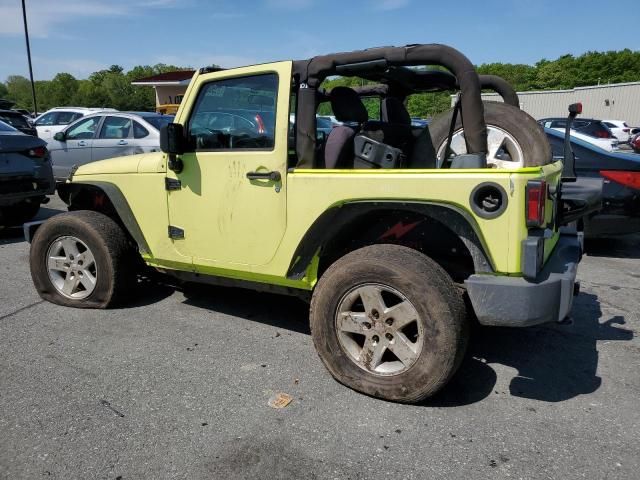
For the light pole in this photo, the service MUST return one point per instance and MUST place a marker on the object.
(26, 36)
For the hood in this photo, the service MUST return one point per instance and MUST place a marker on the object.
(128, 164)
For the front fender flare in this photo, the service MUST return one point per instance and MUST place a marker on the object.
(119, 202)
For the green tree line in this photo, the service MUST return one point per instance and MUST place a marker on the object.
(105, 88)
(112, 87)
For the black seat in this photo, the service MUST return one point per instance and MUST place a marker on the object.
(394, 112)
(395, 127)
(349, 109)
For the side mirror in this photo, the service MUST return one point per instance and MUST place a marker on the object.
(172, 140)
(60, 137)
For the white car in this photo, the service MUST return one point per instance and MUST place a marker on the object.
(620, 129)
(105, 135)
(56, 119)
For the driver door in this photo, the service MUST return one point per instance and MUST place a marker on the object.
(236, 128)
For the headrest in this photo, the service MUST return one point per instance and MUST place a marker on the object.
(394, 111)
(347, 106)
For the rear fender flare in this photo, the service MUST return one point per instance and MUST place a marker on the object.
(330, 223)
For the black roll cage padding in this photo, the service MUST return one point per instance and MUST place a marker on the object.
(312, 72)
(430, 81)
(501, 87)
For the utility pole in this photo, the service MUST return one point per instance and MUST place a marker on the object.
(26, 36)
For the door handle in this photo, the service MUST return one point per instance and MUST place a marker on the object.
(273, 176)
(123, 142)
(82, 143)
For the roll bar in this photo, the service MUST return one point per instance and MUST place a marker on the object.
(310, 73)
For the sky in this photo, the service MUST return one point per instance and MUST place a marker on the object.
(82, 36)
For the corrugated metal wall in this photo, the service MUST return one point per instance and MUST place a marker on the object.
(616, 102)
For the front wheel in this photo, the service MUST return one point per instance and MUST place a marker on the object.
(82, 259)
(389, 322)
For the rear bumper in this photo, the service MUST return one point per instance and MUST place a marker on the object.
(518, 302)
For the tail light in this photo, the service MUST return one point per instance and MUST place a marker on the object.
(37, 152)
(260, 123)
(536, 200)
(628, 179)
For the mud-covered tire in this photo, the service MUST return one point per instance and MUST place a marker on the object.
(19, 213)
(520, 125)
(115, 258)
(437, 303)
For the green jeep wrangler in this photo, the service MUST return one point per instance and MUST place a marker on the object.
(393, 233)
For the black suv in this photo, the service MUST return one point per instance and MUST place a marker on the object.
(18, 121)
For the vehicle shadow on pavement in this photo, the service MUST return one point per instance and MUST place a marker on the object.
(10, 235)
(627, 246)
(555, 362)
(280, 311)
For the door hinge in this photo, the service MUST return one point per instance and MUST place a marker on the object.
(176, 233)
(172, 184)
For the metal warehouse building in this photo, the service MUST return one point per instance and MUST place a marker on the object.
(618, 101)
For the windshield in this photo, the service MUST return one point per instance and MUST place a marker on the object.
(17, 121)
(159, 121)
(6, 128)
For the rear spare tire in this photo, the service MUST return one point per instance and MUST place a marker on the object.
(388, 321)
(515, 140)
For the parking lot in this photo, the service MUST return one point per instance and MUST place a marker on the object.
(177, 386)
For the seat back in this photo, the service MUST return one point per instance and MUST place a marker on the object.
(347, 108)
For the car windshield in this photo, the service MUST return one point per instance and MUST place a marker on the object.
(14, 120)
(160, 120)
(6, 128)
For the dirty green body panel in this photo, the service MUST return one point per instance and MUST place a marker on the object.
(250, 230)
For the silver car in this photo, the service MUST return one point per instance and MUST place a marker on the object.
(105, 135)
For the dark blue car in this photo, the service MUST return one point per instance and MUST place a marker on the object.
(620, 212)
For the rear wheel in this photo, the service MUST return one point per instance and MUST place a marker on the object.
(514, 138)
(83, 259)
(389, 322)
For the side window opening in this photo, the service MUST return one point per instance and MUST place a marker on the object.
(115, 128)
(83, 130)
(235, 113)
(139, 131)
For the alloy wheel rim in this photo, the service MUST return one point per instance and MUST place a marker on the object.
(504, 151)
(72, 267)
(379, 329)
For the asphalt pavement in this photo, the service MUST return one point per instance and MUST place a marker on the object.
(177, 384)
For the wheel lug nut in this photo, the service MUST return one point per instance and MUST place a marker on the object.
(366, 325)
(374, 313)
(389, 321)
(375, 339)
(389, 336)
